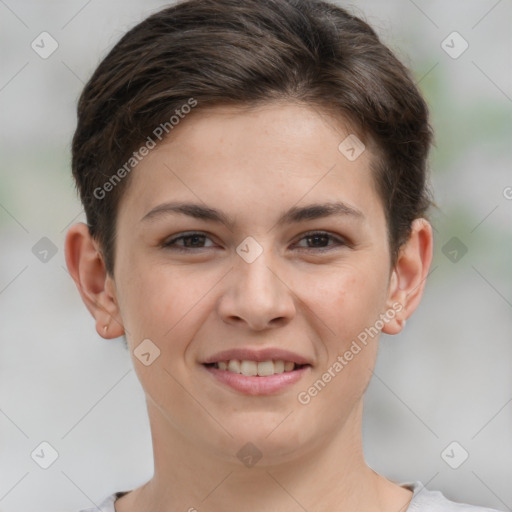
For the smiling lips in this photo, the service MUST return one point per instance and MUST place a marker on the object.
(257, 372)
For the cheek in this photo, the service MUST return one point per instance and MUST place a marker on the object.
(148, 300)
(347, 298)
(162, 303)
(346, 307)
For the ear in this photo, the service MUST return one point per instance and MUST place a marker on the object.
(409, 275)
(97, 288)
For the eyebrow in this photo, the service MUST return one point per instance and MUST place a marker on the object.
(293, 215)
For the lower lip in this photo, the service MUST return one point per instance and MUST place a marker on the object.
(253, 385)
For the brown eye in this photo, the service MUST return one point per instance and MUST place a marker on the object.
(189, 242)
(320, 240)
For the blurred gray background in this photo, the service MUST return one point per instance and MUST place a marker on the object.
(447, 378)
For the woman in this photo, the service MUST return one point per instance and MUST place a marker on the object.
(254, 179)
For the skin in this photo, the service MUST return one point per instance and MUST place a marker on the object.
(253, 165)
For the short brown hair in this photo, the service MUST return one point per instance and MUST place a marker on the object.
(228, 52)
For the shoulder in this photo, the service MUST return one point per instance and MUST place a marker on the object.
(107, 505)
(424, 500)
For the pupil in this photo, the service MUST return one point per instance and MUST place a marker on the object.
(193, 239)
(318, 238)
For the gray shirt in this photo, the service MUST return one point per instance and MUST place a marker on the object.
(423, 500)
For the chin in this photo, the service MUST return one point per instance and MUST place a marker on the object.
(265, 442)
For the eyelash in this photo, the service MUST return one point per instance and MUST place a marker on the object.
(170, 243)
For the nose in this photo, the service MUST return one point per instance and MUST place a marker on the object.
(256, 295)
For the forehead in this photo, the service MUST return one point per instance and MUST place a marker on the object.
(266, 156)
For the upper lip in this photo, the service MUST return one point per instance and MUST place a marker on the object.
(247, 354)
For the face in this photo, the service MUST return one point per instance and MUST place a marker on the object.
(259, 263)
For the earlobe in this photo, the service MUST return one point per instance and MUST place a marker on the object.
(87, 268)
(409, 274)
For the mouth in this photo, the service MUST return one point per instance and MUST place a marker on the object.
(249, 377)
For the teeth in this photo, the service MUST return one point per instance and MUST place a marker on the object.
(279, 366)
(252, 368)
(288, 366)
(248, 368)
(234, 366)
(265, 368)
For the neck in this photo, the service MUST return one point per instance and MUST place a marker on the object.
(328, 474)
